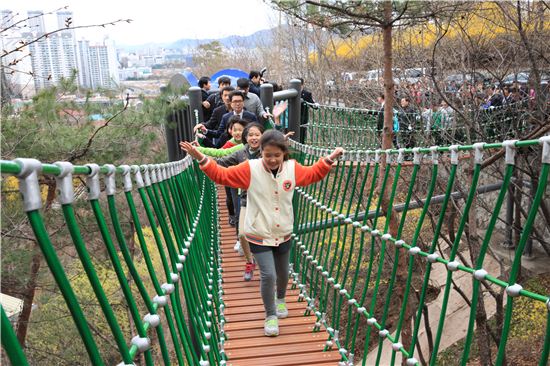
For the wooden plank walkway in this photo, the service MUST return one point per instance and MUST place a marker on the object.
(246, 343)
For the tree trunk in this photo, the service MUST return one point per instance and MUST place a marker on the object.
(28, 298)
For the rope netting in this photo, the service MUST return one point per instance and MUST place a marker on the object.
(347, 255)
(331, 126)
(179, 206)
(354, 262)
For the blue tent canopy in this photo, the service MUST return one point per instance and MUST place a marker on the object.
(192, 80)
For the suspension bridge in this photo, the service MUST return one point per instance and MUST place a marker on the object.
(362, 276)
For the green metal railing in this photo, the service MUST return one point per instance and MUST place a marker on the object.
(342, 262)
(188, 248)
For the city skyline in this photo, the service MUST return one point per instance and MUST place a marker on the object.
(155, 24)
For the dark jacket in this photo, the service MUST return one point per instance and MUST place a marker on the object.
(235, 159)
(214, 122)
(254, 89)
(221, 132)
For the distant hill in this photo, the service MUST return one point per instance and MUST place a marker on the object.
(251, 41)
(263, 37)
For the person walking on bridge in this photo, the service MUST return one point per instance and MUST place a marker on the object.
(270, 182)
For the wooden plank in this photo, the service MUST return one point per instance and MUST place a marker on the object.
(314, 358)
(259, 332)
(246, 295)
(253, 351)
(302, 320)
(292, 339)
(249, 316)
(260, 308)
(296, 344)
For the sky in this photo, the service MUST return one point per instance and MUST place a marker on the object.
(160, 21)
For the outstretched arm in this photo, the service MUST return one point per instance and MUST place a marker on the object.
(236, 176)
(306, 175)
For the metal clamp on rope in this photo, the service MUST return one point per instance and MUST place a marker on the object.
(162, 172)
(388, 156)
(367, 156)
(432, 258)
(454, 154)
(401, 156)
(168, 288)
(414, 250)
(510, 151)
(416, 155)
(478, 152)
(161, 301)
(181, 258)
(179, 267)
(174, 277)
(137, 176)
(377, 156)
(412, 361)
(28, 183)
(514, 290)
(126, 364)
(64, 181)
(545, 142)
(142, 343)
(370, 321)
(152, 319)
(126, 179)
(399, 243)
(453, 266)
(110, 184)
(153, 172)
(146, 175)
(396, 346)
(480, 274)
(386, 236)
(383, 333)
(435, 155)
(92, 182)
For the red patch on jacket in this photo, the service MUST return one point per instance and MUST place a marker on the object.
(287, 185)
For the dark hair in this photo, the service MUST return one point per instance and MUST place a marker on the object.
(224, 80)
(253, 74)
(277, 139)
(243, 83)
(203, 81)
(233, 120)
(248, 127)
(227, 88)
(276, 87)
(301, 80)
(236, 93)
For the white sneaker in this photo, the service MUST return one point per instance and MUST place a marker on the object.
(271, 326)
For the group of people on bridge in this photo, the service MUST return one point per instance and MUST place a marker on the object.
(260, 178)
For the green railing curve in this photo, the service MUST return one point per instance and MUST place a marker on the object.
(367, 273)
